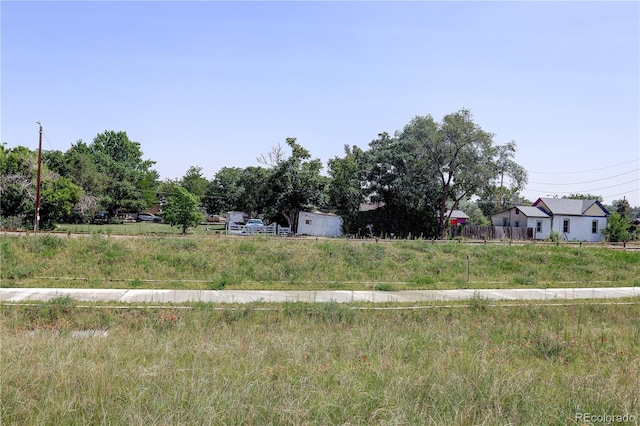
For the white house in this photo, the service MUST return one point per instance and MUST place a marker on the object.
(319, 224)
(525, 217)
(576, 220)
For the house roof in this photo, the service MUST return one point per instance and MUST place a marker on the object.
(528, 211)
(569, 207)
(458, 214)
(531, 211)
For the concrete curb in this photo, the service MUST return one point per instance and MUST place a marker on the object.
(341, 296)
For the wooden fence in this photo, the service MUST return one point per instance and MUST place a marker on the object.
(492, 233)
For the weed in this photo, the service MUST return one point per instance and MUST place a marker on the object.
(478, 303)
(385, 287)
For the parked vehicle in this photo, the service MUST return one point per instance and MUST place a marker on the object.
(254, 225)
(100, 218)
(148, 217)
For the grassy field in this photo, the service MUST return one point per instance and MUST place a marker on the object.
(295, 364)
(138, 228)
(210, 262)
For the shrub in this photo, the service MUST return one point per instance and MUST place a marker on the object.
(617, 228)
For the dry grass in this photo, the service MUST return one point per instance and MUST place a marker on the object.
(318, 364)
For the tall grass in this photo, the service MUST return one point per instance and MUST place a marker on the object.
(318, 364)
(274, 263)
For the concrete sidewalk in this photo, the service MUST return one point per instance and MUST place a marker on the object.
(342, 296)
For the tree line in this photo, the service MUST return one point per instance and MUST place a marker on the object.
(416, 176)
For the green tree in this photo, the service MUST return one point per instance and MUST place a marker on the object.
(225, 191)
(430, 166)
(255, 190)
(515, 173)
(129, 178)
(395, 173)
(494, 198)
(194, 182)
(81, 167)
(622, 207)
(294, 184)
(460, 156)
(476, 216)
(18, 182)
(58, 197)
(182, 209)
(347, 179)
(617, 228)
(578, 196)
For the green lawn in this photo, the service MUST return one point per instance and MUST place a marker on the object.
(137, 228)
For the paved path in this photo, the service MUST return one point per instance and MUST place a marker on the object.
(247, 296)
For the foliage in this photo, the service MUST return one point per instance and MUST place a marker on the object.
(579, 196)
(617, 228)
(182, 209)
(194, 182)
(622, 207)
(59, 196)
(555, 236)
(475, 213)
(17, 181)
(128, 176)
(236, 189)
(294, 184)
(431, 166)
(345, 189)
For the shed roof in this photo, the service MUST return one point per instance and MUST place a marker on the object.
(458, 214)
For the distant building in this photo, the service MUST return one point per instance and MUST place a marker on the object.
(575, 220)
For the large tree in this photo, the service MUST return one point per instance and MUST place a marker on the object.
(130, 181)
(194, 182)
(236, 189)
(294, 183)
(18, 169)
(346, 186)
(430, 166)
(59, 196)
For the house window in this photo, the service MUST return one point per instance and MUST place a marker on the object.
(517, 212)
(517, 224)
(594, 227)
(565, 226)
(504, 221)
(307, 222)
(538, 226)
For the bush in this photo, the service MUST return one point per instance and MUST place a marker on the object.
(555, 236)
(617, 228)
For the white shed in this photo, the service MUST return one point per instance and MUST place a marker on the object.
(319, 224)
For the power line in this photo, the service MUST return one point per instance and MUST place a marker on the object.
(586, 181)
(585, 171)
(47, 139)
(615, 195)
(585, 190)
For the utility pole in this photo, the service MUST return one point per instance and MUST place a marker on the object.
(37, 221)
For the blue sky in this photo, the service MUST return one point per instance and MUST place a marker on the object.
(216, 84)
